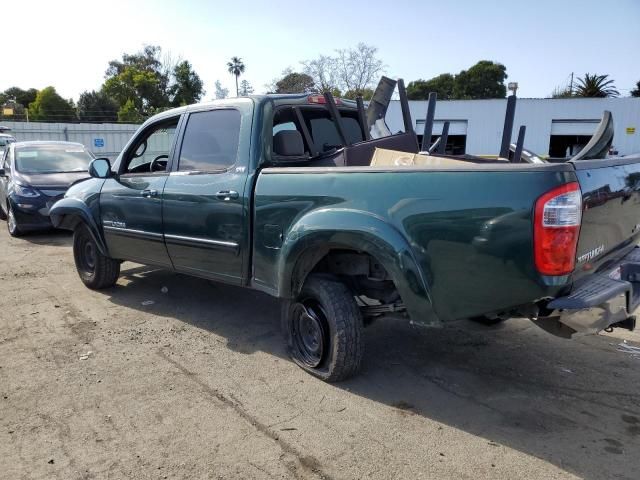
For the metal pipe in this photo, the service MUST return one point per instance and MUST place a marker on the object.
(443, 138)
(517, 155)
(313, 151)
(508, 126)
(404, 104)
(362, 117)
(428, 122)
(335, 115)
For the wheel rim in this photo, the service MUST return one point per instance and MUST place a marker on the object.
(11, 221)
(309, 333)
(87, 255)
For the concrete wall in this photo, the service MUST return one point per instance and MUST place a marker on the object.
(485, 120)
(114, 136)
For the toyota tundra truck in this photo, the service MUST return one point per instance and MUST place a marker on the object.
(278, 193)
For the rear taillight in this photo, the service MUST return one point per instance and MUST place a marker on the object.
(556, 228)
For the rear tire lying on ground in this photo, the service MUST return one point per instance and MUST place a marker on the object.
(323, 329)
(96, 270)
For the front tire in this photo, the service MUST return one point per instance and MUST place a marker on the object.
(323, 329)
(12, 222)
(96, 271)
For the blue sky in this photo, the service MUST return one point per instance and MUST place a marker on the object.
(67, 44)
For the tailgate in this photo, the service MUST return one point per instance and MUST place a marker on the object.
(611, 211)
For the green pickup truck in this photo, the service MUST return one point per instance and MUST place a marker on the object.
(276, 193)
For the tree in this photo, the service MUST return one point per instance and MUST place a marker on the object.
(294, 82)
(245, 88)
(367, 94)
(23, 97)
(49, 106)
(187, 87)
(140, 77)
(220, 91)
(323, 70)
(97, 107)
(561, 92)
(443, 85)
(129, 113)
(353, 69)
(483, 80)
(236, 68)
(593, 85)
(636, 91)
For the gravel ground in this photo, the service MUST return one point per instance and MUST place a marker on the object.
(197, 384)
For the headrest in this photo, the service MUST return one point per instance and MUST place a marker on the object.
(288, 143)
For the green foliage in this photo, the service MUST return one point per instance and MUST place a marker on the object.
(22, 97)
(129, 113)
(367, 94)
(187, 87)
(484, 80)
(221, 92)
(636, 91)
(236, 68)
(97, 107)
(245, 88)
(594, 85)
(294, 82)
(443, 85)
(561, 92)
(140, 78)
(49, 106)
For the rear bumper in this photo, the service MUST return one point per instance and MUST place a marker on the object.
(602, 299)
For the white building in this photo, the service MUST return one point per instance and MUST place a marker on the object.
(555, 127)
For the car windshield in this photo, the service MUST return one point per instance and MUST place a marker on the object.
(52, 158)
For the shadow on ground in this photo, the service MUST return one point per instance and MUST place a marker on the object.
(573, 403)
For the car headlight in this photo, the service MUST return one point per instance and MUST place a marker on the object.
(24, 191)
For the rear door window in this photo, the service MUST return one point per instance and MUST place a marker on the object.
(210, 141)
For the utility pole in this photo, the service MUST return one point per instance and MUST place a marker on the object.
(571, 85)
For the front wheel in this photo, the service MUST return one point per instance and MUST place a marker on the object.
(12, 222)
(96, 270)
(323, 328)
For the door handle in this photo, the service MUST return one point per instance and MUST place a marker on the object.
(227, 195)
(149, 193)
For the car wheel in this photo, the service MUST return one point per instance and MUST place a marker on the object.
(323, 329)
(96, 270)
(12, 223)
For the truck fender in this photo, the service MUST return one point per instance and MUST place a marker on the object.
(318, 232)
(68, 213)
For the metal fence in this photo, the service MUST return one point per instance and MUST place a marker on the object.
(103, 139)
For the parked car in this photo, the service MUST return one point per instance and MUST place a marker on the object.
(276, 193)
(5, 140)
(33, 176)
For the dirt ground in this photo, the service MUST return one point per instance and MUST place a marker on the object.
(197, 385)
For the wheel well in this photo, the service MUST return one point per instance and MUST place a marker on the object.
(363, 273)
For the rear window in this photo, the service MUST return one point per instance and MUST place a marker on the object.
(210, 141)
(52, 158)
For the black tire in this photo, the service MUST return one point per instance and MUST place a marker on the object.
(96, 270)
(12, 223)
(323, 329)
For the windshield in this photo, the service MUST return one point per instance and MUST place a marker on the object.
(52, 158)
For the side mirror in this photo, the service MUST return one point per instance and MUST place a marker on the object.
(100, 168)
(2, 172)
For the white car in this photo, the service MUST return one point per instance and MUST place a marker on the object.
(4, 141)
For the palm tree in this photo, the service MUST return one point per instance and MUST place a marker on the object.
(236, 68)
(593, 85)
